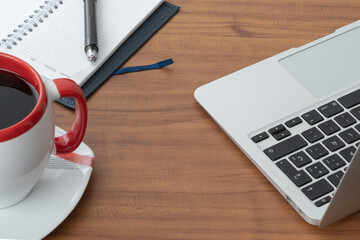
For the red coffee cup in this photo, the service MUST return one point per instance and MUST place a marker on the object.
(25, 147)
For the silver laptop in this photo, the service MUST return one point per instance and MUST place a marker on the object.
(296, 116)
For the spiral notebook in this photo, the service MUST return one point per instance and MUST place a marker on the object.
(49, 35)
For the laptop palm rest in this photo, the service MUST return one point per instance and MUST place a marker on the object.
(346, 200)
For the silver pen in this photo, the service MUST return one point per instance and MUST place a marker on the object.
(91, 48)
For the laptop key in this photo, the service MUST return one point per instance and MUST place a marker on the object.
(357, 127)
(313, 135)
(312, 117)
(317, 189)
(329, 127)
(330, 109)
(350, 135)
(323, 201)
(260, 137)
(350, 99)
(317, 151)
(334, 143)
(334, 162)
(348, 153)
(336, 178)
(277, 129)
(285, 147)
(282, 135)
(279, 132)
(300, 159)
(293, 122)
(317, 170)
(356, 112)
(345, 120)
(299, 178)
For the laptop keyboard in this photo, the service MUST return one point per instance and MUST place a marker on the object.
(315, 159)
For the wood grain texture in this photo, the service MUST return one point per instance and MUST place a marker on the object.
(163, 168)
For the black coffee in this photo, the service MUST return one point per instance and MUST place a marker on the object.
(17, 99)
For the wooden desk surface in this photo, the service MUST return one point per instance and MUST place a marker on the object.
(163, 168)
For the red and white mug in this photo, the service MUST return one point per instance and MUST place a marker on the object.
(26, 146)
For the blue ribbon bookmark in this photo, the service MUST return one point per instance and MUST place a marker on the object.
(144, 68)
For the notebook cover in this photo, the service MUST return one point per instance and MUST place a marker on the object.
(152, 24)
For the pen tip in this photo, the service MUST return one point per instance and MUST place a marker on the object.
(91, 54)
(92, 58)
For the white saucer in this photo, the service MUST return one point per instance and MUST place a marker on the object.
(53, 198)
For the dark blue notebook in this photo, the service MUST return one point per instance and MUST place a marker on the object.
(152, 24)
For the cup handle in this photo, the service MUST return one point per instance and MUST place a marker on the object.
(64, 87)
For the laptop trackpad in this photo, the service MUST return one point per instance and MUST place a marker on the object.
(327, 66)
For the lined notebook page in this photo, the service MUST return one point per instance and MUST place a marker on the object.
(56, 48)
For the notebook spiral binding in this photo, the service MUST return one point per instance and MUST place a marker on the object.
(32, 22)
